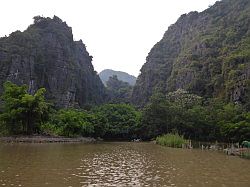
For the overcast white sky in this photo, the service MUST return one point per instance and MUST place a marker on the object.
(118, 33)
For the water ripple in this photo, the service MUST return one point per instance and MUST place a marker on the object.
(117, 168)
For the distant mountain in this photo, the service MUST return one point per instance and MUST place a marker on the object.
(123, 76)
(118, 91)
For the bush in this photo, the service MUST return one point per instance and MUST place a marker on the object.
(70, 123)
(171, 140)
(118, 120)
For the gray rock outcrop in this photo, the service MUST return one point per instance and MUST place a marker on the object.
(45, 55)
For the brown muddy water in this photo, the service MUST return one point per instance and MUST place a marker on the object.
(118, 164)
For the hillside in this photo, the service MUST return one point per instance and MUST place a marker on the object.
(123, 76)
(205, 53)
(45, 55)
(118, 91)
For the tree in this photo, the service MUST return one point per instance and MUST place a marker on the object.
(234, 122)
(119, 120)
(156, 117)
(70, 123)
(22, 112)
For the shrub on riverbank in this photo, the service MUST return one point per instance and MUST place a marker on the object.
(109, 121)
(171, 140)
(118, 121)
(69, 123)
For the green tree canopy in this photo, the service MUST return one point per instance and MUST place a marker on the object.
(22, 112)
(122, 120)
(70, 123)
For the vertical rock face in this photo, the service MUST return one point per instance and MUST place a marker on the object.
(206, 53)
(45, 55)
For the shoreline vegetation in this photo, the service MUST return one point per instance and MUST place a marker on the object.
(46, 139)
(172, 140)
(174, 120)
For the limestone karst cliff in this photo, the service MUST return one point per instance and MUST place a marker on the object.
(45, 55)
(206, 53)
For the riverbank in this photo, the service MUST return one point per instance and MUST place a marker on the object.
(45, 139)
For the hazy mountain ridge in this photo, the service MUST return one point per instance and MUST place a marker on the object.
(123, 76)
(45, 55)
(206, 53)
(118, 91)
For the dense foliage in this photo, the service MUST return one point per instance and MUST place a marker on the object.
(109, 121)
(189, 115)
(70, 123)
(120, 121)
(22, 112)
(209, 120)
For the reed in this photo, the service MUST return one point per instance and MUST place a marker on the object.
(171, 140)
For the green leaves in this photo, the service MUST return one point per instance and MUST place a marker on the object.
(188, 115)
(22, 112)
(70, 123)
(179, 111)
(107, 121)
(119, 120)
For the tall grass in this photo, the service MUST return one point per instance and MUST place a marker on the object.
(246, 154)
(171, 140)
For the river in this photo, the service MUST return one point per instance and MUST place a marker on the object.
(118, 164)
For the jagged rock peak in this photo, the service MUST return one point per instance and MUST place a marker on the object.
(45, 55)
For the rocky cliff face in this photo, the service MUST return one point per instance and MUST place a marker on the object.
(45, 55)
(206, 53)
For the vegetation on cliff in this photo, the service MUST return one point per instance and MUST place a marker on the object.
(196, 80)
(45, 55)
(205, 53)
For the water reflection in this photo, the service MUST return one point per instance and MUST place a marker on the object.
(119, 167)
(117, 164)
